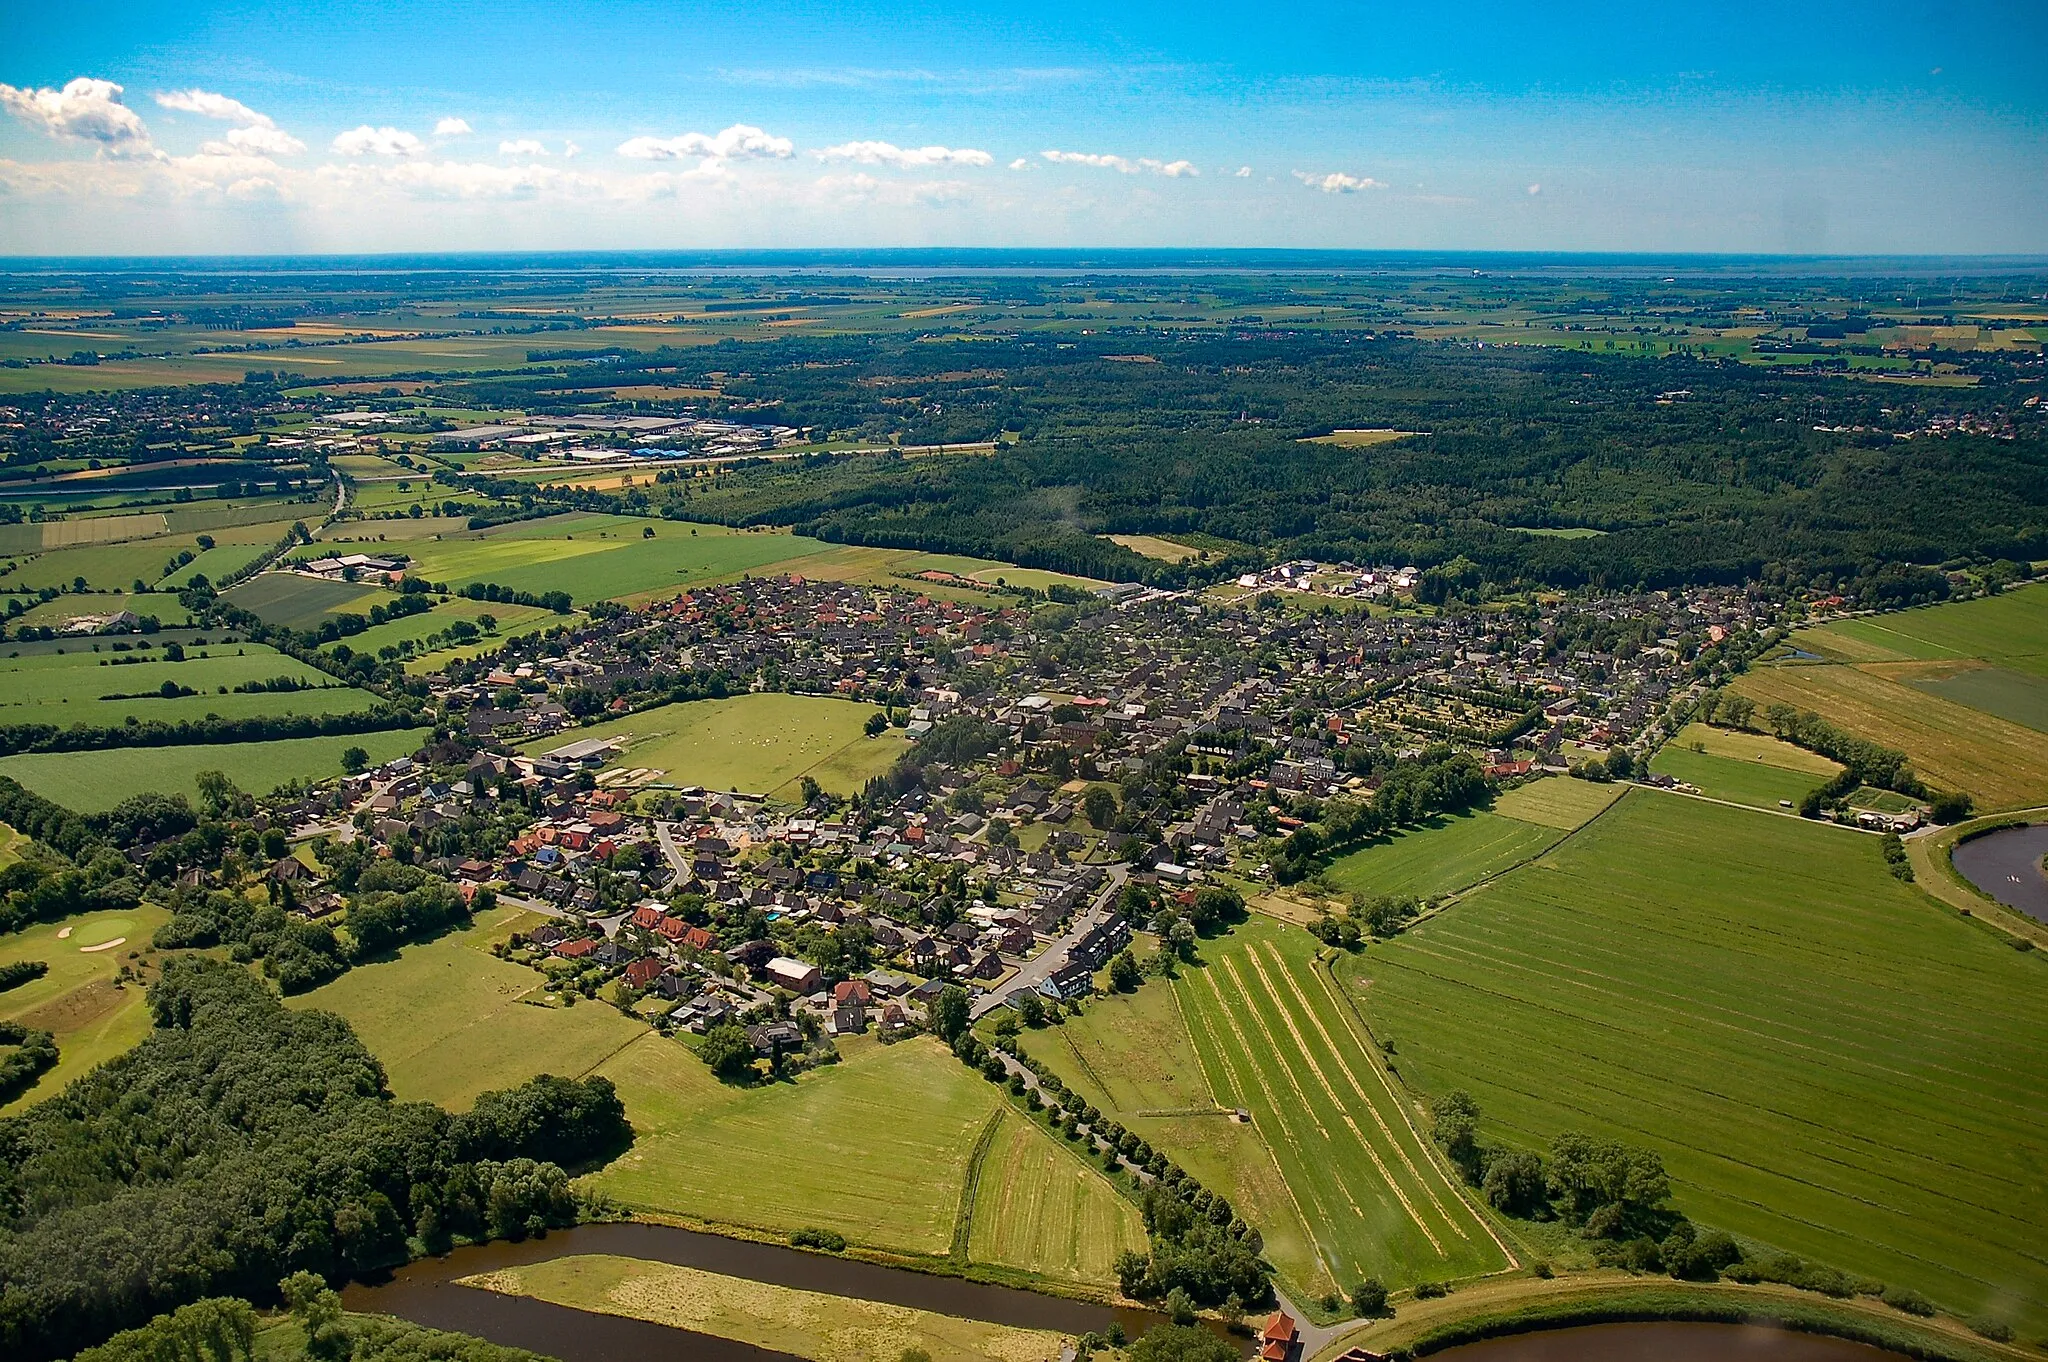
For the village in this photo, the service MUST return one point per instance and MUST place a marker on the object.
(1070, 775)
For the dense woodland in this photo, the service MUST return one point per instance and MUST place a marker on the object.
(1696, 470)
(242, 1142)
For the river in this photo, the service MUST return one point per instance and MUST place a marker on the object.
(426, 1292)
(1667, 1342)
(2006, 864)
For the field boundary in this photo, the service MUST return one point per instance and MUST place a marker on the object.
(970, 1191)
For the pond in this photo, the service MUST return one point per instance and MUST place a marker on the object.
(427, 1293)
(1667, 1342)
(2006, 864)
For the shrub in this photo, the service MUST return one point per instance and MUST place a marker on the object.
(830, 1241)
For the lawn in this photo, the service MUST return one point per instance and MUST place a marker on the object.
(93, 1016)
(92, 782)
(1445, 854)
(1826, 1061)
(600, 557)
(779, 1318)
(759, 744)
(71, 687)
(449, 1020)
(2001, 763)
(287, 600)
(1040, 1205)
(875, 1147)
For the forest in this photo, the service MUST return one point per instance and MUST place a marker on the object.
(1677, 469)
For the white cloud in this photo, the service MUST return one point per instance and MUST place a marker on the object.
(903, 158)
(1337, 182)
(739, 140)
(453, 127)
(1122, 165)
(1243, 173)
(570, 149)
(369, 141)
(85, 110)
(1021, 163)
(207, 104)
(1534, 190)
(455, 179)
(262, 140)
(864, 188)
(524, 146)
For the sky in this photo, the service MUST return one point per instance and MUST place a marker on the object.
(372, 125)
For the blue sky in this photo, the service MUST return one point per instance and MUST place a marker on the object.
(1814, 127)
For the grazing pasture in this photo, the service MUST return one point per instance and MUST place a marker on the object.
(1557, 802)
(2008, 630)
(1041, 1206)
(449, 1020)
(93, 782)
(757, 744)
(1747, 768)
(782, 1319)
(81, 1001)
(598, 557)
(1443, 855)
(1825, 1058)
(875, 1147)
(73, 687)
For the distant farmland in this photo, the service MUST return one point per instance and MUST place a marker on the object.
(1828, 1061)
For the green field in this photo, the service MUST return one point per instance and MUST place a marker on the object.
(1040, 1205)
(93, 1016)
(512, 621)
(780, 1318)
(1445, 854)
(1745, 768)
(1826, 1061)
(1451, 851)
(105, 567)
(758, 744)
(875, 1147)
(1329, 1169)
(286, 600)
(70, 687)
(2009, 630)
(91, 782)
(449, 1020)
(2013, 696)
(165, 608)
(222, 560)
(597, 557)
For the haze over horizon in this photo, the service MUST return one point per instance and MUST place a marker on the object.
(229, 128)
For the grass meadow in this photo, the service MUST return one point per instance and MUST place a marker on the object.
(875, 1147)
(449, 1020)
(93, 1016)
(782, 1319)
(2008, 630)
(1452, 851)
(1828, 1062)
(759, 744)
(1040, 1205)
(93, 782)
(71, 687)
(1743, 767)
(599, 557)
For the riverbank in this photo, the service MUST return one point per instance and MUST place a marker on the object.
(1523, 1304)
(1932, 858)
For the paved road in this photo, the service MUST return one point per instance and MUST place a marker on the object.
(665, 833)
(1033, 972)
